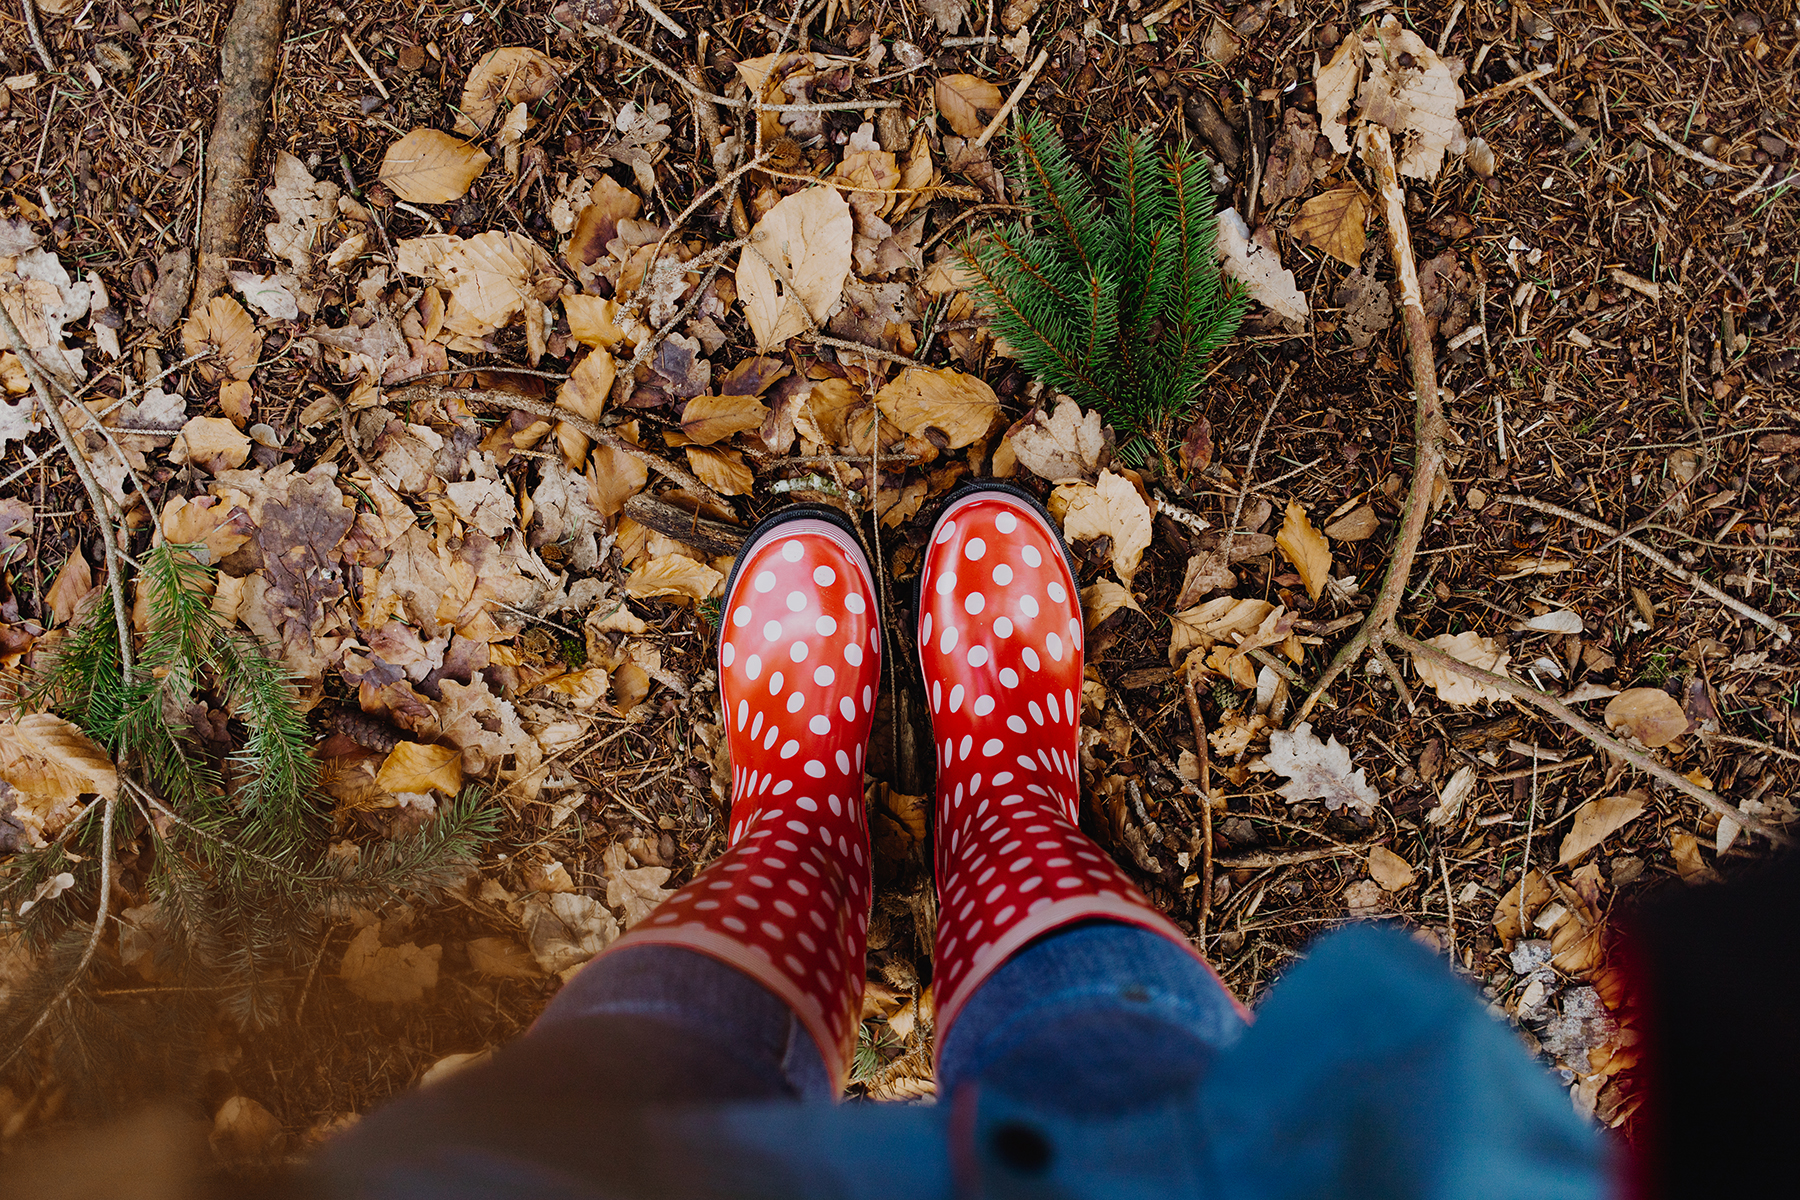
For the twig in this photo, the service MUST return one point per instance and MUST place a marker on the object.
(1012, 101)
(37, 37)
(1283, 858)
(1564, 119)
(662, 18)
(606, 437)
(1525, 79)
(821, 339)
(1206, 836)
(1167, 765)
(1428, 425)
(1650, 127)
(1237, 512)
(364, 64)
(696, 90)
(1424, 652)
(1781, 631)
(1753, 744)
(115, 575)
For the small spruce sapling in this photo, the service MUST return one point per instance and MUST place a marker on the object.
(1117, 302)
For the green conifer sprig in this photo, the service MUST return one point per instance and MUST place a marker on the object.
(238, 861)
(1116, 301)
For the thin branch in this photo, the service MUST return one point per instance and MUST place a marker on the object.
(1781, 631)
(1012, 101)
(37, 37)
(1650, 127)
(1206, 834)
(701, 93)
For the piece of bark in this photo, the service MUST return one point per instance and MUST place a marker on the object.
(174, 279)
(702, 533)
(248, 59)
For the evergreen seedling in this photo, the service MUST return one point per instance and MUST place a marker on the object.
(1116, 302)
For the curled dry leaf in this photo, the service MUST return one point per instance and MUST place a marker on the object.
(490, 275)
(501, 79)
(1063, 446)
(1335, 87)
(1216, 619)
(1559, 620)
(1392, 872)
(225, 332)
(414, 768)
(213, 444)
(960, 407)
(709, 419)
(502, 958)
(967, 102)
(795, 265)
(1111, 508)
(1334, 222)
(1259, 269)
(635, 890)
(70, 587)
(389, 974)
(722, 470)
(565, 929)
(1355, 525)
(1318, 770)
(1410, 90)
(1306, 548)
(429, 166)
(1650, 715)
(47, 764)
(302, 207)
(584, 393)
(1104, 599)
(1469, 647)
(673, 575)
(1598, 820)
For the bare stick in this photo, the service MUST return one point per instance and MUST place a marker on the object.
(1680, 572)
(696, 90)
(662, 18)
(37, 37)
(1424, 652)
(1511, 85)
(1428, 423)
(1650, 127)
(1206, 846)
(597, 433)
(1012, 101)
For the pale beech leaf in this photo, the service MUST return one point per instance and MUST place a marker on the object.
(1318, 770)
(795, 265)
(429, 166)
(1469, 647)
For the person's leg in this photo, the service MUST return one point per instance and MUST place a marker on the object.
(1068, 979)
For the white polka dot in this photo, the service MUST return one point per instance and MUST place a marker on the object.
(1009, 677)
(771, 631)
(854, 602)
(797, 651)
(823, 676)
(974, 602)
(1069, 704)
(843, 762)
(796, 601)
(847, 706)
(1030, 658)
(1005, 522)
(1003, 778)
(868, 698)
(1053, 644)
(824, 576)
(740, 616)
(1031, 556)
(765, 581)
(781, 789)
(1003, 574)
(795, 702)
(947, 643)
(753, 666)
(728, 654)
(733, 924)
(992, 747)
(978, 656)
(1037, 714)
(743, 712)
(1016, 723)
(937, 695)
(1002, 627)
(790, 748)
(792, 550)
(967, 743)
(815, 768)
(853, 654)
(820, 723)
(756, 727)
(974, 549)
(1056, 591)
(956, 697)
(1028, 605)
(946, 531)
(925, 630)
(825, 626)
(983, 705)
(769, 739)
(775, 682)
(946, 583)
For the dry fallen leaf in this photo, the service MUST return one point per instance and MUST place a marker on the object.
(415, 768)
(1650, 715)
(1306, 548)
(565, 929)
(795, 265)
(1216, 619)
(1318, 770)
(673, 575)
(389, 974)
(244, 1130)
(502, 958)
(302, 207)
(429, 166)
(1063, 446)
(1335, 87)
(1684, 848)
(44, 755)
(1388, 869)
(491, 276)
(1333, 222)
(224, 331)
(1411, 90)
(708, 419)
(963, 99)
(1469, 647)
(1109, 508)
(213, 444)
(1104, 599)
(724, 471)
(959, 406)
(501, 79)
(71, 585)
(1598, 820)
(1259, 269)
(637, 890)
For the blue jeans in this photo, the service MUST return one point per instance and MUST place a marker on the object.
(1100, 1061)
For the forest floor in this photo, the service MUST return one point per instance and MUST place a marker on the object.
(1610, 274)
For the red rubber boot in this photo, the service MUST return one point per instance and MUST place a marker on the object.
(800, 664)
(1000, 640)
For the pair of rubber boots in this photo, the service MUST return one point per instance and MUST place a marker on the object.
(1000, 648)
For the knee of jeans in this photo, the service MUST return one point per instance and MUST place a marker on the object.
(1098, 1059)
